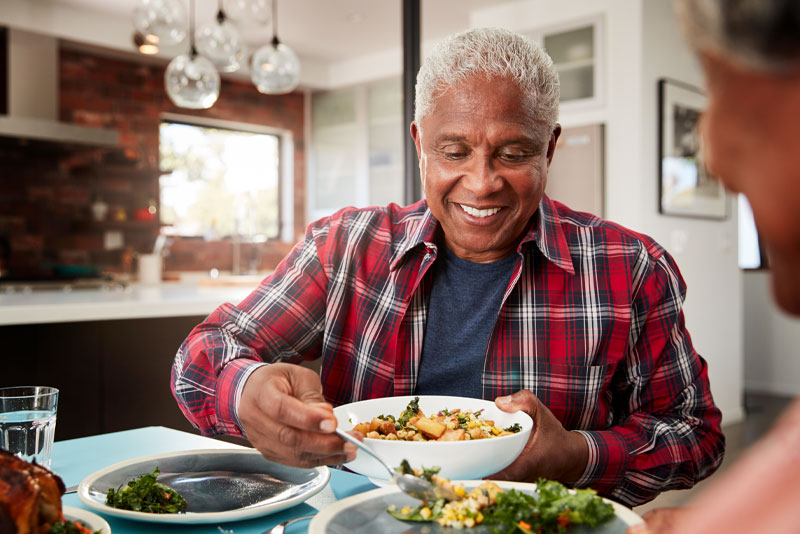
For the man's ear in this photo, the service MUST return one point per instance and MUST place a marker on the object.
(417, 137)
(551, 146)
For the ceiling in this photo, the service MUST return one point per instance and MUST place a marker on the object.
(325, 30)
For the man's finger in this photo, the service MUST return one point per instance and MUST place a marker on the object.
(521, 400)
(306, 386)
(297, 414)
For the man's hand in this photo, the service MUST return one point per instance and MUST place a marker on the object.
(285, 417)
(658, 521)
(552, 451)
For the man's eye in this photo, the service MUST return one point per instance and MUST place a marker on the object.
(513, 157)
(455, 155)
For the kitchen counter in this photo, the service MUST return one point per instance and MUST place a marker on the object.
(169, 299)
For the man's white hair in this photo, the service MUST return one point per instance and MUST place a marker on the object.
(491, 53)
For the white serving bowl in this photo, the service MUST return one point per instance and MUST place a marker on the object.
(459, 460)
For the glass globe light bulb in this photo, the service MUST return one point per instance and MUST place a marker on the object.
(247, 11)
(162, 22)
(222, 44)
(192, 82)
(275, 69)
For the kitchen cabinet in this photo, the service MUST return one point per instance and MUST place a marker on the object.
(112, 375)
(577, 53)
(356, 156)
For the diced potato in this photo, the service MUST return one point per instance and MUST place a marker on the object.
(487, 422)
(452, 435)
(362, 427)
(375, 424)
(412, 420)
(386, 428)
(475, 433)
(431, 429)
(492, 490)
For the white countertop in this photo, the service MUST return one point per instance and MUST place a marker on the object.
(169, 299)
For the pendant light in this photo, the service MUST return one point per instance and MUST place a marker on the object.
(191, 80)
(221, 42)
(275, 68)
(248, 11)
(160, 22)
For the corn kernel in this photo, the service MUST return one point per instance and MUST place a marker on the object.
(495, 430)
(479, 518)
(425, 512)
(469, 522)
(471, 424)
(459, 490)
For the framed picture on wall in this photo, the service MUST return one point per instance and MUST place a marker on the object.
(685, 186)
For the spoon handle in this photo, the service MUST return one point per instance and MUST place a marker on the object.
(347, 437)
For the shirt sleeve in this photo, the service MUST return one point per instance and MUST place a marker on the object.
(281, 320)
(668, 435)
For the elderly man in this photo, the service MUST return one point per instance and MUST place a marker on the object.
(486, 289)
(750, 52)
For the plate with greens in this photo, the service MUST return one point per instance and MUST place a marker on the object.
(199, 486)
(379, 510)
(92, 522)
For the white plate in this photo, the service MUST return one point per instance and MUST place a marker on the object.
(219, 484)
(90, 519)
(366, 513)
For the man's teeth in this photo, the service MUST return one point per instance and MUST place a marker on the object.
(479, 213)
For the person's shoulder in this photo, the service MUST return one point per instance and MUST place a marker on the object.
(388, 221)
(388, 214)
(578, 226)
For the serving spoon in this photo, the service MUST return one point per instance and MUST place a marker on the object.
(415, 486)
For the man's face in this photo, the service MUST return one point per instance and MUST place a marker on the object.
(483, 166)
(750, 131)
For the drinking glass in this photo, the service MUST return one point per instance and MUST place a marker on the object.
(28, 422)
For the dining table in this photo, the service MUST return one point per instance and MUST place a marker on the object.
(75, 459)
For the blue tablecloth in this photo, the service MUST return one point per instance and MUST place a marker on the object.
(75, 459)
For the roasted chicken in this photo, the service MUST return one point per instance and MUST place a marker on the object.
(30, 496)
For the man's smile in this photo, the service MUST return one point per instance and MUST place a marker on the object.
(479, 213)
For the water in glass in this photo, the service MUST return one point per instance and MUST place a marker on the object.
(29, 434)
(28, 422)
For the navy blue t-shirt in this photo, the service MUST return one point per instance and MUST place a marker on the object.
(464, 303)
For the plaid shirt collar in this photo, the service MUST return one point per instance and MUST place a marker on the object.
(544, 231)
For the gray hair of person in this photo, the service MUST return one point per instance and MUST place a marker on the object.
(490, 53)
(763, 35)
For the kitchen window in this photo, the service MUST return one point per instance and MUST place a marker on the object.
(220, 179)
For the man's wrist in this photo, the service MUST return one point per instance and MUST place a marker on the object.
(577, 456)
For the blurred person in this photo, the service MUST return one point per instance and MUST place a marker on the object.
(485, 289)
(750, 52)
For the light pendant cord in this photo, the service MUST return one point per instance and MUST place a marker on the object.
(220, 13)
(193, 51)
(275, 41)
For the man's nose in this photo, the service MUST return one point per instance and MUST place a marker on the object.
(482, 177)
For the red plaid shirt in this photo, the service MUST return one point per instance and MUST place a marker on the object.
(591, 322)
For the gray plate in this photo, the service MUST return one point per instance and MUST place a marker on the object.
(219, 485)
(366, 514)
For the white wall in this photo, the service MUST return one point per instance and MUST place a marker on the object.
(708, 260)
(772, 340)
(643, 43)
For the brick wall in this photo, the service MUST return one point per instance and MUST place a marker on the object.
(46, 190)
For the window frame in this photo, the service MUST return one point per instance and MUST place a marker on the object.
(285, 161)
